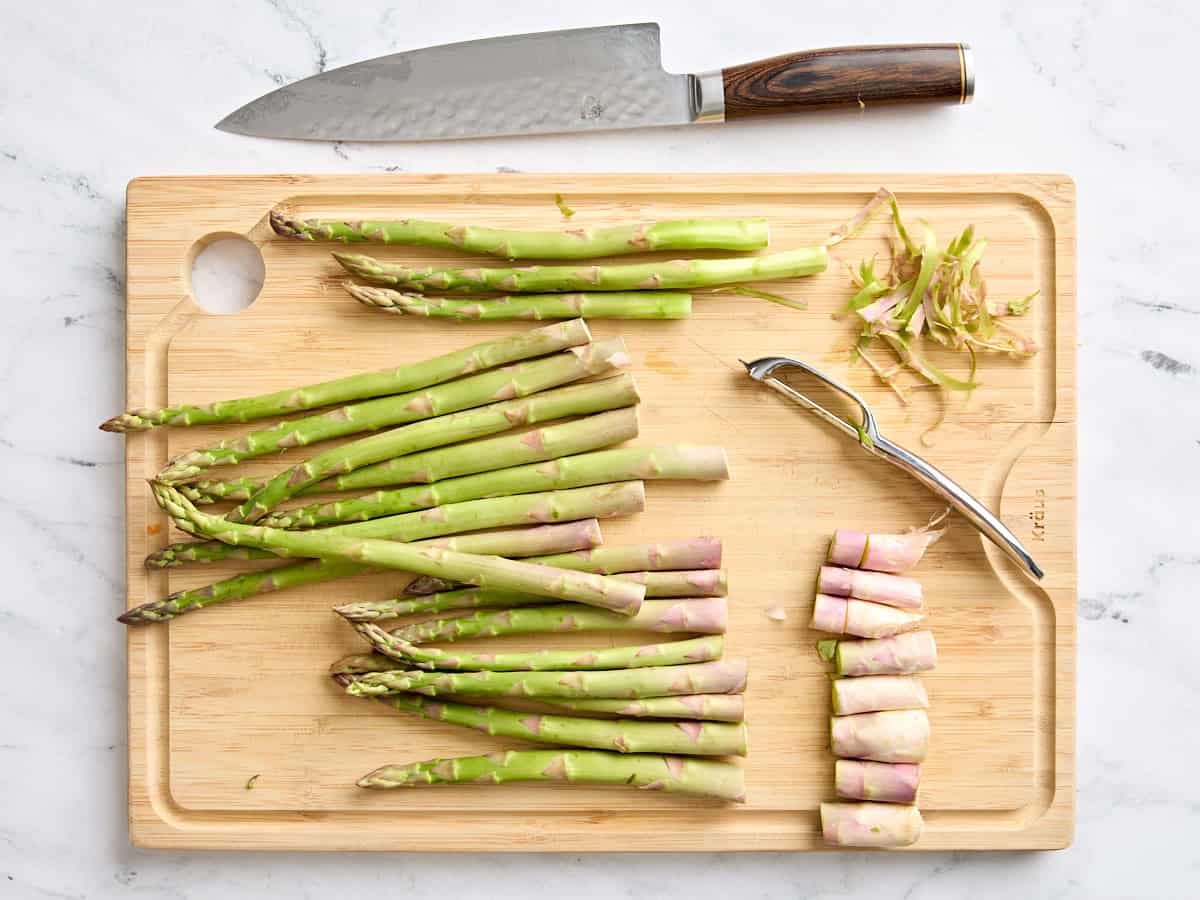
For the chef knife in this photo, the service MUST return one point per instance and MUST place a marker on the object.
(587, 79)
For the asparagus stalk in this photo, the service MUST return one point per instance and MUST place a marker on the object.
(612, 305)
(697, 553)
(839, 615)
(881, 552)
(672, 275)
(515, 542)
(624, 735)
(519, 380)
(673, 653)
(509, 243)
(873, 693)
(701, 616)
(870, 824)
(484, 571)
(727, 676)
(707, 707)
(894, 735)
(673, 461)
(877, 587)
(600, 501)
(409, 377)
(649, 772)
(856, 779)
(904, 654)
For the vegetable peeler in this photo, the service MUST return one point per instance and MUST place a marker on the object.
(868, 436)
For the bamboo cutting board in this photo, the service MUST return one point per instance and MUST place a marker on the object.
(239, 692)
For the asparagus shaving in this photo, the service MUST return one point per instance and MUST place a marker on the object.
(762, 295)
(566, 211)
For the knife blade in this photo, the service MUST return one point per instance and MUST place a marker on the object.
(585, 79)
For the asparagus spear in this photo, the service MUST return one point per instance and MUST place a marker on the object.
(876, 587)
(674, 461)
(903, 654)
(612, 305)
(701, 583)
(484, 571)
(872, 693)
(870, 824)
(701, 616)
(673, 653)
(409, 377)
(572, 243)
(601, 501)
(697, 553)
(519, 380)
(842, 615)
(648, 772)
(707, 707)
(673, 275)
(893, 553)
(856, 779)
(624, 735)
(377, 676)
(514, 542)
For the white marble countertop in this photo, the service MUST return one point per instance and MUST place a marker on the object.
(95, 94)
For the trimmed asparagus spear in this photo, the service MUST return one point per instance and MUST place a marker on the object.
(697, 553)
(726, 676)
(707, 707)
(877, 587)
(894, 735)
(601, 501)
(870, 824)
(700, 616)
(409, 377)
(624, 735)
(511, 243)
(839, 615)
(880, 552)
(519, 380)
(873, 693)
(904, 654)
(856, 779)
(613, 305)
(673, 653)
(673, 461)
(484, 571)
(648, 772)
(672, 275)
(515, 542)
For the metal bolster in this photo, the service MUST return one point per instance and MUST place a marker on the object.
(966, 60)
(708, 97)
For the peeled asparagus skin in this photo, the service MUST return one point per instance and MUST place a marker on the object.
(877, 587)
(839, 615)
(704, 707)
(903, 654)
(894, 735)
(848, 548)
(877, 692)
(870, 824)
(857, 779)
(880, 552)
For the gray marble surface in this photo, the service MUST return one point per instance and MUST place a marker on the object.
(93, 94)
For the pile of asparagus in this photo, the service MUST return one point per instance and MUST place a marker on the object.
(511, 436)
(879, 730)
(653, 290)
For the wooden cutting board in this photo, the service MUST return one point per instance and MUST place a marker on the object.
(239, 692)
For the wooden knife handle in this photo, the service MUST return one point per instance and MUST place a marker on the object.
(850, 76)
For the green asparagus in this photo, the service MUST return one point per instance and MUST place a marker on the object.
(672, 275)
(358, 663)
(624, 735)
(673, 461)
(508, 383)
(669, 654)
(612, 305)
(705, 707)
(649, 772)
(356, 387)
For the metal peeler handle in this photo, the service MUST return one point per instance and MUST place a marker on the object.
(868, 436)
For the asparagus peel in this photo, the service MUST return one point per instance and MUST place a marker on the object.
(507, 383)
(508, 243)
(484, 571)
(648, 772)
(690, 738)
(700, 616)
(611, 305)
(375, 675)
(706, 707)
(893, 736)
(674, 461)
(856, 779)
(870, 824)
(672, 653)
(671, 275)
(356, 387)
(595, 501)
